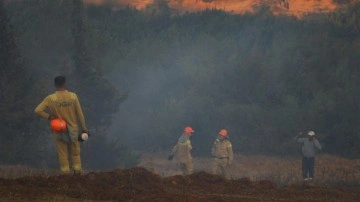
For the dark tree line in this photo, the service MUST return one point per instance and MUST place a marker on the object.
(26, 135)
(15, 88)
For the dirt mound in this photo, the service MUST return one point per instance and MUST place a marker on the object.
(139, 184)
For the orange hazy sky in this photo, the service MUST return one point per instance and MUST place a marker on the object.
(291, 7)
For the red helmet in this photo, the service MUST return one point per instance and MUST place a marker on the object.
(188, 130)
(223, 132)
(58, 125)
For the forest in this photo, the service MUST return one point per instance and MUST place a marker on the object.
(143, 75)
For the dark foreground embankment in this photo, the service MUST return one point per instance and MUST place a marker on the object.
(139, 184)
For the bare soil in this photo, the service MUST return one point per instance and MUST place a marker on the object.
(139, 184)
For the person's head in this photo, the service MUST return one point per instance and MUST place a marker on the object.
(60, 81)
(188, 130)
(311, 134)
(222, 134)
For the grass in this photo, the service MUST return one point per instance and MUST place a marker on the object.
(329, 170)
(16, 171)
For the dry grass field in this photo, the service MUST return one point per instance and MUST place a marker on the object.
(329, 170)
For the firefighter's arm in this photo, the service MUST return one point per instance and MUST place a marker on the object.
(80, 114)
(189, 145)
(230, 152)
(174, 150)
(213, 151)
(300, 140)
(317, 144)
(40, 109)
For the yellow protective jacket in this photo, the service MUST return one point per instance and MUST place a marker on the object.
(222, 149)
(65, 105)
(183, 149)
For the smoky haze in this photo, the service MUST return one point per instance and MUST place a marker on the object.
(264, 78)
(206, 75)
(255, 75)
(162, 100)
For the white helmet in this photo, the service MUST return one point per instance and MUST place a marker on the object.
(83, 137)
(311, 133)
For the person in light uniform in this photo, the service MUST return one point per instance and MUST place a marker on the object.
(222, 153)
(64, 105)
(182, 150)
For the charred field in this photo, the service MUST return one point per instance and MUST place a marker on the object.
(146, 184)
(139, 184)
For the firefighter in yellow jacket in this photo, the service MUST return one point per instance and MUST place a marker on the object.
(183, 151)
(64, 105)
(222, 153)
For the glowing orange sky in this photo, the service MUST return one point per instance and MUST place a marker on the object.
(295, 7)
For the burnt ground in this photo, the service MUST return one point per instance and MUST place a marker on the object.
(139, 184)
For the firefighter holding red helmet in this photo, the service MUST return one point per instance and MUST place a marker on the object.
(64, 111)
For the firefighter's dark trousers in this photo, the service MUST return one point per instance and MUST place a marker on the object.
(308, 164)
